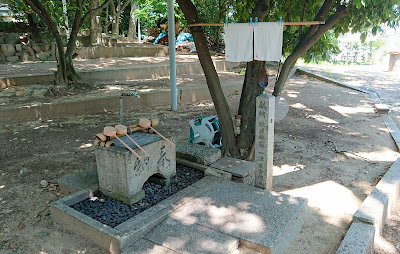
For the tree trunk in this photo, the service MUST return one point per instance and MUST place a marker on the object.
(250, 90)
(34, 29)
(132, 21)
(228, 139)
(115, 25)
(95, 23)
(61, 77)
(247, 106)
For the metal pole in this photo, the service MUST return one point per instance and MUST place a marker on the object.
(172, 61)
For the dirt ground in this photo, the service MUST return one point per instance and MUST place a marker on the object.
(330, 148)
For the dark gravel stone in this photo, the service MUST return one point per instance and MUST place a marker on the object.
(113, 212)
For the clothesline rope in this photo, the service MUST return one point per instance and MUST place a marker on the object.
(304, 23)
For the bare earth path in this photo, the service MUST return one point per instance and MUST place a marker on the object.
(306, 163)
(387, 86)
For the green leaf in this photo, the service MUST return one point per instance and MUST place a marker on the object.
(374, 29)
(363, 37)
(357, 3)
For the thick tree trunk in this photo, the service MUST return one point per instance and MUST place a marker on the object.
(115, 25)
(95, 24)
(250, 90)
(228, 139)
(132, 21)
(61, 77)
(34, 29)
(247, 106)
(65, 68)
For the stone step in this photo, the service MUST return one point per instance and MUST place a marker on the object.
(183, 236)
(264, 221)
(230, 218)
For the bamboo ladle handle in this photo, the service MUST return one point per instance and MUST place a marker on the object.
(138, 146)
(159, 134)
(110, 131)
(130, 149)
(146, 123)
(123, 130)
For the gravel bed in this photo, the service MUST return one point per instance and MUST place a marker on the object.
(112, 212)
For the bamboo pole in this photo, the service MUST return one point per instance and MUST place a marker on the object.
(304, 23)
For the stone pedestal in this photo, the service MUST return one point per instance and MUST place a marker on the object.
(264, 140)
(242, 171)
(122, 174)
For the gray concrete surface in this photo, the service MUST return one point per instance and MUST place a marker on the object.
(242, 171)
(359, 239)
(256, 216)
(197, 153)
(186, 237)
(122, 174)
(79, 181)
(118, 239)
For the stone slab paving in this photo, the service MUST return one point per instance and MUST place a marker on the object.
(236, 167)
(187, 237)
(197, 153)
(146, 247)
(258, 217)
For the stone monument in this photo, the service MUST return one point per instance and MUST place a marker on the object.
(264, 140)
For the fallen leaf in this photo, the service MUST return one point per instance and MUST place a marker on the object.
(36, 215)
(60, 194)
(22, 226)
(14, 246)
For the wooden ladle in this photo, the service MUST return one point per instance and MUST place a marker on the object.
(123, 130)
(146, 123)
(112, 132)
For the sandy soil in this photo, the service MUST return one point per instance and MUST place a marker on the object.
(386, 85)
(321, 117)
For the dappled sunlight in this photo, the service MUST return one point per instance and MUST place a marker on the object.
(41, 126)
(331, 198)
(285, 169)
(292, 94)
(323, 119)
(300, 106)
(381, 243)
(146, 90)
(346, 111)
(217, 216)
(384, 154)
(245, 222)
(114, 88)
(88, 145)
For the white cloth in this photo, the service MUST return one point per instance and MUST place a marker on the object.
(268, 38)
(239, 42)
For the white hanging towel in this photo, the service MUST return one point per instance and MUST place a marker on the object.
(268, 38)
(238, 42)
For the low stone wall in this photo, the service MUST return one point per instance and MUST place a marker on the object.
(23, 52)
(120, 51)
(15, 47)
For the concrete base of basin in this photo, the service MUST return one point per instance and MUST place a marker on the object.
(118, 239)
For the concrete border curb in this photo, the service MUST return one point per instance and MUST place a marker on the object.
(359, 239)
(113, 74)
(369, 219)
(108, 103)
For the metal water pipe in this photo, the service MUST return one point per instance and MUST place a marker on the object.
(172, 59)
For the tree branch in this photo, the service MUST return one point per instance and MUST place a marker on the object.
(93, 10)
